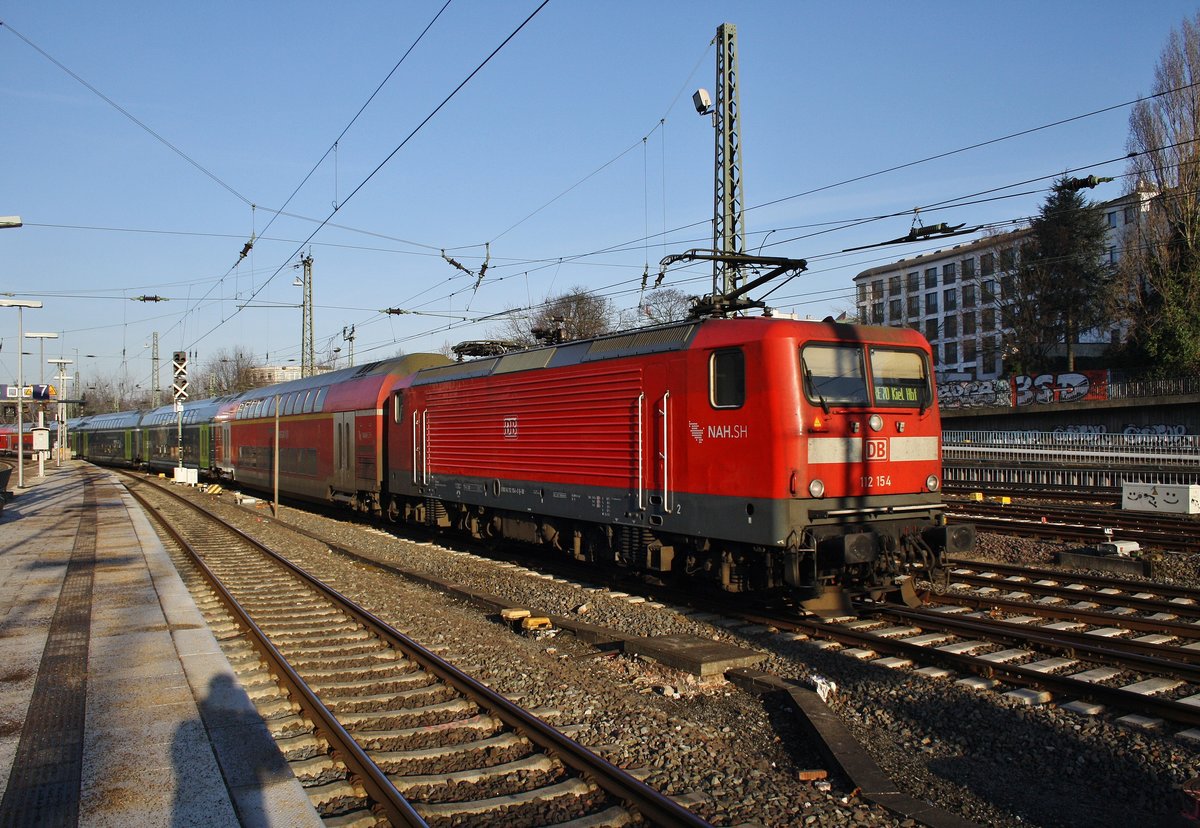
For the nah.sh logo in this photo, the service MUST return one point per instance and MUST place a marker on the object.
(877, 449)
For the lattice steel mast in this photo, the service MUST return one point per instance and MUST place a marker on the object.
(729, 229)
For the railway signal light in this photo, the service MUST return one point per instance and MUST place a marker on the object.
(179, 383)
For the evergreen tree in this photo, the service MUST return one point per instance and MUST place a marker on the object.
(1062, 285)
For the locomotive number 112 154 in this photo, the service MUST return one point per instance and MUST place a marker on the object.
(875, 481)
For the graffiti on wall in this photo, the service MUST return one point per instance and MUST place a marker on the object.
(1085, 428)
(1156, 429)
(975, 394)
(1067, 386)
(1027, 389)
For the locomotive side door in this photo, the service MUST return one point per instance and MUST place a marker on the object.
(662, 396)
(343, 451)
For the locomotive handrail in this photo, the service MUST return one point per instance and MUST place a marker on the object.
(664, 454)
(416, 451)
(425, 447)
(641, 475)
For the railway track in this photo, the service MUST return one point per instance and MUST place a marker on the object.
(1029, 663)
(382, 726)
(1084, 524)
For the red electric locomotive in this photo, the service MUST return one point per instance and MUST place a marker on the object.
(755, 453)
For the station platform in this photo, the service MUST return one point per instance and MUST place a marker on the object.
(117, 707)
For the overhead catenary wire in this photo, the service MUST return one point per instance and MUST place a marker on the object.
(392, 154)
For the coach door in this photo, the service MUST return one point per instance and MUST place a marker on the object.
(343, 451)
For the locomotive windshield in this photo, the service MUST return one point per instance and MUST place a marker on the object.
(900, 378)
(836, 375)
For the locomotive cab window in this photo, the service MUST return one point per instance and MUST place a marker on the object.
(727, 379)
(834, 374)
(900, 378)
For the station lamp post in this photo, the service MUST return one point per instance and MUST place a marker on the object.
(20, 305)
(42, 337)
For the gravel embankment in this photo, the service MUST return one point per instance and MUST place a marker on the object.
(976, 754)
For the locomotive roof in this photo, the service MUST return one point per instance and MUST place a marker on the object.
(662, 338)
(643, 341)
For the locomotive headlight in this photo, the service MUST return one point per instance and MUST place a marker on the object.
(816, 488)
(931, 483)
(876, 422)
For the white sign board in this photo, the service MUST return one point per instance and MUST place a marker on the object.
(41, 439)
(1155, 497)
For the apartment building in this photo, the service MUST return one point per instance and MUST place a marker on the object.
(960, 297)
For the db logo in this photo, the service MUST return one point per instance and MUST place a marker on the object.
(877, 449)
(510, 428)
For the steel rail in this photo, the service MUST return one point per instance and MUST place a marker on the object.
(654, 805)
(1183, 629)
(1174, 711)
(1166, 590)
(1145, 657)
(378, 786)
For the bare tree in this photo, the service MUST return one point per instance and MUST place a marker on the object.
(225, 372)
(666, 305)
(576, 314)
(1162, 268)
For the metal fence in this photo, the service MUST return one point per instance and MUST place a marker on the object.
(1154, 388)
(1071, 449)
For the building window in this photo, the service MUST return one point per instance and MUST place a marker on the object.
(950, 326)
(987, 291)
(950, 299)
(951, 349)
(1112, 219)
(894, 285)
(931, 329)
(989, 319)
(968, 324)
(968, 296)
(987, 264)
(895, 310)
(914, 306)
(1006, 287)
(968, 267)
(1112, 255)
(931, 277)
(1008, 316)
(969, 351)
(876, 290)
(948, 273)
(989, 353)
(1007, 259)
(862, 292)
(931, 302)
(914, 282)
(877, 313)
(1130, 214)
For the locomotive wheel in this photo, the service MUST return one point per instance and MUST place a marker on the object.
(392, 513)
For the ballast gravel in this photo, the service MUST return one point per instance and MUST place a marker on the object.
(740, 760)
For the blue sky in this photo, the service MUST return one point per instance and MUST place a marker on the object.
(540, 156)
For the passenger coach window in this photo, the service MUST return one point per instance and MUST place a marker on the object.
(834, 374)
(900, 378)
(727, 379)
